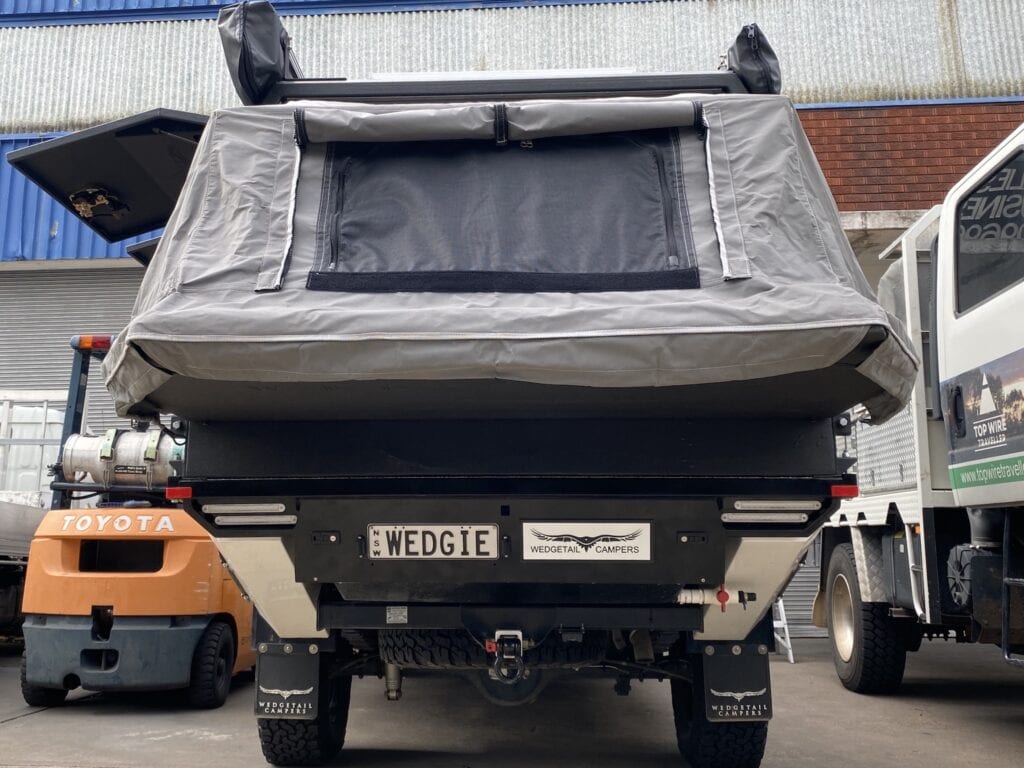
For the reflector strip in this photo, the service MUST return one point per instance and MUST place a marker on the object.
(779, 518)
(243, 509)
(772, 504)
(256, 520)
(178, 492)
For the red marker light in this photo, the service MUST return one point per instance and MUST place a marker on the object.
(178, 492)
(844, 491)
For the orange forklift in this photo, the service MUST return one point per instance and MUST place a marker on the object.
(129, 595)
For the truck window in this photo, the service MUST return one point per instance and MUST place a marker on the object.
(990, 235)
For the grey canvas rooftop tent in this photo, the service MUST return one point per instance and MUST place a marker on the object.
(647, 246)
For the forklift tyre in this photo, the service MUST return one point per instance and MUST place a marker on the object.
(212, 665)
(310, 742)
(869, 647)
(704, 744)
(37, 696)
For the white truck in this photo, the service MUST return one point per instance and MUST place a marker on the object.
(18, 522)
(934, 545)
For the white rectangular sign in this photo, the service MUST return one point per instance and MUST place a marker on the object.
(596, 541)
(433, 542)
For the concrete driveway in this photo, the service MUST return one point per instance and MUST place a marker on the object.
(960, 706)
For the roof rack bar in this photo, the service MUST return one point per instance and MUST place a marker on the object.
(508, 89)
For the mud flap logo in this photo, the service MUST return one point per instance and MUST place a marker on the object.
(734, 707)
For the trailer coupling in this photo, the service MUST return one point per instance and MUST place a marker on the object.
(507, 649)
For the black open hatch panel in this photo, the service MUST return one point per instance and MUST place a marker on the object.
(121, 178)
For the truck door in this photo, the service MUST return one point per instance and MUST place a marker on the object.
(981, 328)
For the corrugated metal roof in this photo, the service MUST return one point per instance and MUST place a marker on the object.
(844, 50)
(34, 227)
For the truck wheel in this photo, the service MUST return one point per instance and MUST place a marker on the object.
(212, 665)
(37, 696)
(310, 742)
(704, 744)
(869, 647)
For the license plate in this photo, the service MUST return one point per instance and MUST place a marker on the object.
(433, 542)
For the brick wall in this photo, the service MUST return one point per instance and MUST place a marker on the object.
(900, 158)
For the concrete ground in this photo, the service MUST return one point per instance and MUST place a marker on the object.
(960, 706)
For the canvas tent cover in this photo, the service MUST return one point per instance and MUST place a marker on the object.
(627, 245)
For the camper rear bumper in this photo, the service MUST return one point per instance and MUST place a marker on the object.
(140, 652)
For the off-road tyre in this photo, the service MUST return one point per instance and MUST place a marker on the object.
(212, 665)
(704, 744)
(431, 648)
(457, 649)
(310, 742)
(37, 696)
(873, 656)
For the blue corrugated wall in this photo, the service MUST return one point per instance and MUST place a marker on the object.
(35, 227)
(45, 12)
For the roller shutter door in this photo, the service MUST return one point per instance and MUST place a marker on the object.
(41, 309)
(799, 596)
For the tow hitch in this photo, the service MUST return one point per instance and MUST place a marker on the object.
(507, 647)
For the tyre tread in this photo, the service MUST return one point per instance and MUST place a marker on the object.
(879, 662)
(36, 695)
(202, 689)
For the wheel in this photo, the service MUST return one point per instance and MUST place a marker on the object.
(310, 742)
(212, 665)
(869, 647)
(704, 744)
(37, 696)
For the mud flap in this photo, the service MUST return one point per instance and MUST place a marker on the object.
(287, 683)
(737, 687)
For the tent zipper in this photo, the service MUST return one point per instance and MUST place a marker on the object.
(755, 49)
(666, 209)
(246, 62)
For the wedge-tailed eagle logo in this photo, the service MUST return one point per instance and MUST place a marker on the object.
(740, 695)
(586, 542)
(286, 694)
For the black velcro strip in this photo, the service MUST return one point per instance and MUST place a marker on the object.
(501, 282)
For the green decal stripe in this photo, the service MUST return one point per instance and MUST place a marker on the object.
(1009, 469)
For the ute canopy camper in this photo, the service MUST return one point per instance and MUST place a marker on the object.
(511, 377)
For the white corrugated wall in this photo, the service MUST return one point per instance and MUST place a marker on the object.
(41, 309)
(841, 50)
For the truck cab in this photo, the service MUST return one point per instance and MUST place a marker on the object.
(933, 545)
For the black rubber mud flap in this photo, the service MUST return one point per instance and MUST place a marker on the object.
(286, 684)
(737, 687)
